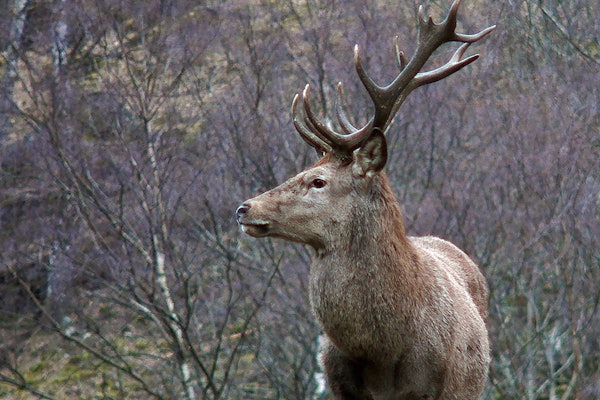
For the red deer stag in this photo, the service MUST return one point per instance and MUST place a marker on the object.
(404, 317)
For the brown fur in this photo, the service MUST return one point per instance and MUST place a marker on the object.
(404, 317)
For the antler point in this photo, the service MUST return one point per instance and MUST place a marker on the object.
(454, 7)
(306, 91)
(421, 13)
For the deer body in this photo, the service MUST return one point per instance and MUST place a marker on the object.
(378, 294)
(382, 320)
(404, 318)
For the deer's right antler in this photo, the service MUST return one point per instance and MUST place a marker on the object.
(388, 99)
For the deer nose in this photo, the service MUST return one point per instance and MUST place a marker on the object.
(241, 211)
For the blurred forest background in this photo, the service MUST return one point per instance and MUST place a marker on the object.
(131, 130)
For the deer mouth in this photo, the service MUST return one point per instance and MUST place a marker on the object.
(255, 228)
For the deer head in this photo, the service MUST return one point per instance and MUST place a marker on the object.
(318, 206)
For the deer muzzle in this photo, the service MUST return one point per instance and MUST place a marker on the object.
(253, 227)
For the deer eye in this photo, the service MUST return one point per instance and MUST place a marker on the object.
(318, 183)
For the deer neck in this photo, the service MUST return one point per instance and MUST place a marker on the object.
(373, 232)
(348, 283)
(371, 252)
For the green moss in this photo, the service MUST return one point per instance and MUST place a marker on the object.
(142, 344)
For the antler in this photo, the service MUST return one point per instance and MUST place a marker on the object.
(388, 99)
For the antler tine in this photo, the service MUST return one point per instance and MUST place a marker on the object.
(465, 38)
(400, 56)
(306, 132)
(345, 123)
(317, 134)
(455, 63)
(318, 128)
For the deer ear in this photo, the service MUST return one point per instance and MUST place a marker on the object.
(371, 157)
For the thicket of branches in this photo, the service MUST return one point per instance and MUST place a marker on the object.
(130, 130)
